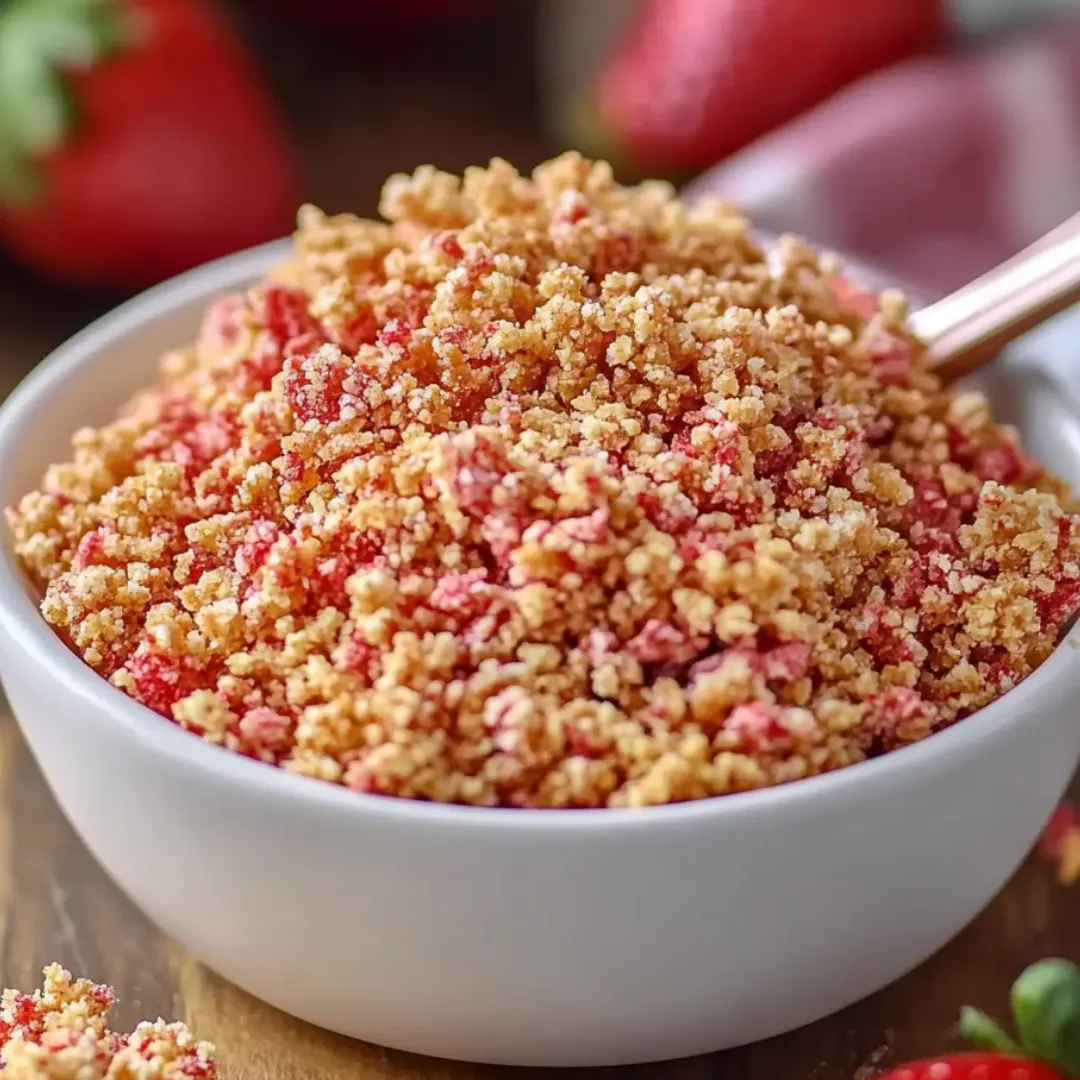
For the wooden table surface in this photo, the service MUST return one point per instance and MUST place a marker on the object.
(355, 127)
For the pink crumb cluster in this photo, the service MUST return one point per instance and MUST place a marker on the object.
(548, 492)
(60, 1033)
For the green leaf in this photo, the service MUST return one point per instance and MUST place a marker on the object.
(19, 182)
(44, 111)
(983, 1033)
(42, 42)
(1046, 1007)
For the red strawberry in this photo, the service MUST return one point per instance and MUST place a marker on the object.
(974, 1067)
(136, 140)
(1046, 1011)
(694, 80)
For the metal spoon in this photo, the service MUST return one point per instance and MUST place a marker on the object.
(970, 327)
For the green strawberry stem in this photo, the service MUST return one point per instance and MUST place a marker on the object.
(41, 43)
(985, 1034)
(1046, 1011)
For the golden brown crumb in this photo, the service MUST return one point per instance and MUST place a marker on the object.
(546, 492)
(59, 1033)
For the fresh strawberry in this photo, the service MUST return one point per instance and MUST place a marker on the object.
(694, 80)
(136, 140)
(1046, 1012)
(974, 1067)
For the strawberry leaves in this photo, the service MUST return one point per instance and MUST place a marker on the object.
(1046, 1011)
(41, 42)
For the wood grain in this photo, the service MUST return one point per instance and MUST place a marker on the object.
(56, 904)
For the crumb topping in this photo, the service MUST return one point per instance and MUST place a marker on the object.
(60, 1033)
(548, 492)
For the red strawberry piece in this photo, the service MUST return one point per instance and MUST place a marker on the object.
(974, 1066)
(1063, 823)
(1046, 1014)
(1060, 842)
(694, 80)
(136, 140)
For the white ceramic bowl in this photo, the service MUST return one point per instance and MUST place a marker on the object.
(521, 937)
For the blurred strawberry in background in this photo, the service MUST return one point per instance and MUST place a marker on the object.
(691, 81)
(136, 140)
(929, 138)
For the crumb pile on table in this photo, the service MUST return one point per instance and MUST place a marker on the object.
(60, 1033)
(547, 492)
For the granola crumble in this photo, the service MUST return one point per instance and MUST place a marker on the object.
(546, 492)
(59, 1033)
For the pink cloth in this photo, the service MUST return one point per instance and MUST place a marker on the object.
(935, 170)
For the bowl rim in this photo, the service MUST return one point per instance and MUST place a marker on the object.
(23, 623)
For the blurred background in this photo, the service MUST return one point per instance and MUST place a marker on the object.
(356, 104)
(138, 137)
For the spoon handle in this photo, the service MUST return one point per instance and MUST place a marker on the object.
(971, 326)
